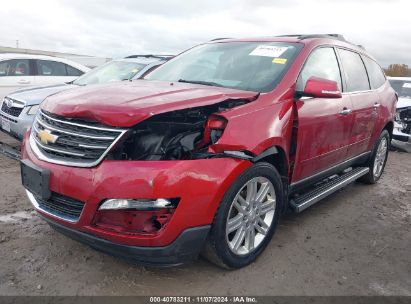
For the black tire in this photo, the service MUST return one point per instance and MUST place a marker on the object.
(370, 177)
(217, 249)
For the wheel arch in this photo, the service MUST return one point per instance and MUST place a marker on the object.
(389, 127)
(275, 156)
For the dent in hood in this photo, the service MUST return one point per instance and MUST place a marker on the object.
(125, 104)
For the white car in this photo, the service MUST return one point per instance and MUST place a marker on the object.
(402, 128)
(18, 71)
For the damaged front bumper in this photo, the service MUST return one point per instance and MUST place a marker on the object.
(199, 185)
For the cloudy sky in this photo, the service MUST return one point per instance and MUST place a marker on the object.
(109, 28)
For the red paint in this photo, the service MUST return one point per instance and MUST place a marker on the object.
(324, 138)
(322, 88)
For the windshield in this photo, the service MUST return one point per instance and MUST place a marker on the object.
(251, 66)
(402, 87)
(112, 71)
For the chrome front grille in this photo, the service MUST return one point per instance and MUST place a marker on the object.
(12, 107)
(71, 142)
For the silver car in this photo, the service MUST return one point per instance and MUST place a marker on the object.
(402, 127)
(19, 108)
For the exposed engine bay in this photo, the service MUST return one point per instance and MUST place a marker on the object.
(177, 135)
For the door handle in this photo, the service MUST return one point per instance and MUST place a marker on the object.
(346, 112)
(376, 105)
(23, 82)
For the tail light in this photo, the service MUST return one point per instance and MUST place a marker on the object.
(214, 129)
(135, 216)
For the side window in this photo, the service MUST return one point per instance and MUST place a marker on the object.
(15, 67)
(50, 68)
(321, 63)
(73, 71)
(355, 73)
(375, 73)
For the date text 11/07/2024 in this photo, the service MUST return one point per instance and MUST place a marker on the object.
(206, 299)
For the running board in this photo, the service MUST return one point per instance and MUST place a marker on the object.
(310, 198)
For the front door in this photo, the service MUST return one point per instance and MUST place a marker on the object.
(324, 125)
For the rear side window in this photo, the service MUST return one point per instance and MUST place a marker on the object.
(376, 75)
(15, 67)
(321, 63)
(73, 71)
(50, 68)
(355, 73)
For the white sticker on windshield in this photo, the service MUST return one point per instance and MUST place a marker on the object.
(268, 51)
(407, 85)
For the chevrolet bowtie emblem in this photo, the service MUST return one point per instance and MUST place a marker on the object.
(46, 137)
(9, 102)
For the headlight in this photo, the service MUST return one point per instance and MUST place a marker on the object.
(33, 110)
(397, 116)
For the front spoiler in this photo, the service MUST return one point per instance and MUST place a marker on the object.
(185, 248)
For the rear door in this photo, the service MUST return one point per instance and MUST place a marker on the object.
(15, 74)
(364, 101)
(54, 72)
(323, 128)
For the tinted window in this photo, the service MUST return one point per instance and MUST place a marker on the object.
(15, 67)
(252, 66)
(321, 63)
(73, 71)
(356, 75)
(376, 75)
(50, 68)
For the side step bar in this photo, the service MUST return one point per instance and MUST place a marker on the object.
(310, 198)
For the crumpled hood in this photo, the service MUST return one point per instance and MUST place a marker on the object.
(403, 102)
(36, 95)
(124, 104)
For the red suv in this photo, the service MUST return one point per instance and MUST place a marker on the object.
(206, 153)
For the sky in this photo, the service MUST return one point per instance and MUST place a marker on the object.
(108, 28)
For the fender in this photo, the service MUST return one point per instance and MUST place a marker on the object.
(264, 154)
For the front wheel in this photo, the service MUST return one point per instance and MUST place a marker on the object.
(246, 219)
(378, 159)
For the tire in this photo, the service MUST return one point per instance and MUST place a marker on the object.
(231, 250)
(377, 161)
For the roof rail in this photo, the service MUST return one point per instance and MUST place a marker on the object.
(216, 39)
(309, 36)
(151, 56)
(329, 36)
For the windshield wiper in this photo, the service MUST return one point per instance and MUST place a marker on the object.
(207, 83)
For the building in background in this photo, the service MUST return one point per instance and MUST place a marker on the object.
(89, 61)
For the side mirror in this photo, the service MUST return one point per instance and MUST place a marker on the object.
(321, 88)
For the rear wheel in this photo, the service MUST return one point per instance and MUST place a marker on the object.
(378, 159)
(247, 217)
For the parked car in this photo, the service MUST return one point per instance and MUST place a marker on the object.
(19, 71)
(19, 108)
(208, 153)
(401, 137)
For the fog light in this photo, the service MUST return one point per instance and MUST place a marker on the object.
(117, 204)
(135, 216)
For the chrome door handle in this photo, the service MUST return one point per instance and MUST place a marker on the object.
(346, 112)
(376, 105)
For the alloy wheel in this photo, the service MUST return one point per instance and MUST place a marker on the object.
(250, 216)
(380, 157)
